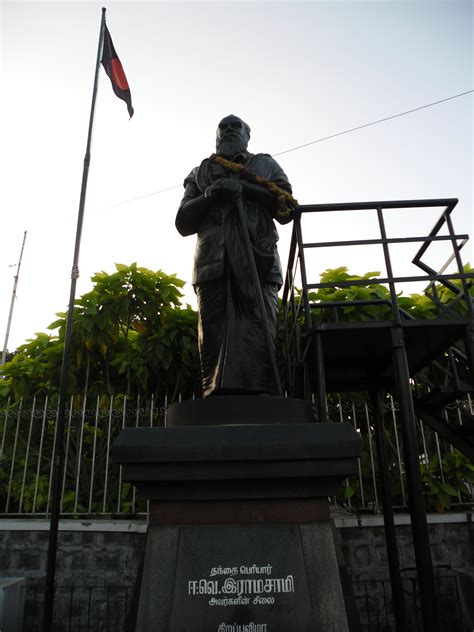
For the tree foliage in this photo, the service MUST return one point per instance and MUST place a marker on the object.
(132, 340)
(130, 335)
(378, 299)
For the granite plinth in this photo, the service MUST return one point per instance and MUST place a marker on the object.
(239, 537)
(229, 462)
(240, 409)
(241, 579)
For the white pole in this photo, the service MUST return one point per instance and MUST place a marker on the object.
(7, 334)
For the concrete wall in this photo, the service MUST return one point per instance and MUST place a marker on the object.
(365, 556)
(100, 559)
(105, 556)
(363, 543)
(89, 553)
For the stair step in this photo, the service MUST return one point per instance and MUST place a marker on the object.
(441, 396)
(451, 433)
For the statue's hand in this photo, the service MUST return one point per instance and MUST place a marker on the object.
(224, 188)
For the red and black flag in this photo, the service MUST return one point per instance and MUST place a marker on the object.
(113, 67)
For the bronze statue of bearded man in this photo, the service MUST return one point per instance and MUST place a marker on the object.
(234, 351)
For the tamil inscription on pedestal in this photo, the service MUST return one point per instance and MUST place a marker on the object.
(241, 579)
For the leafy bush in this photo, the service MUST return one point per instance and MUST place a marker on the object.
(130, 335)
(133, 339)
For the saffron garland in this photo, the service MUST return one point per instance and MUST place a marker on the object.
(286, 202)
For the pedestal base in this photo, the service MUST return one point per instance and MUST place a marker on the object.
(239, 537)
(241, 579)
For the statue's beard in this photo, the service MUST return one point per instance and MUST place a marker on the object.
(231, 146)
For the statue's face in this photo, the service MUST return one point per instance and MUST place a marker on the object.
(232, 136)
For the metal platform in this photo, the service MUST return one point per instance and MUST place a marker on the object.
(358, 356)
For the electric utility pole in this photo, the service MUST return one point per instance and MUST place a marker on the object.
(15, 283)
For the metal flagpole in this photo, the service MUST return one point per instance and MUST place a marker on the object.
(12, 304)
(58, 457)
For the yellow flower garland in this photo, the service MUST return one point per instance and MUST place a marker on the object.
(286, 202)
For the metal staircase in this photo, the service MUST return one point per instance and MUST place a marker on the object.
(446, 381)
(425, 363)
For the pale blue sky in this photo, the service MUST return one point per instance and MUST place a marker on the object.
(294, 71)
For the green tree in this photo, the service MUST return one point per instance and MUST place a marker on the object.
(415, 305)
(130, 335)
(133, 338)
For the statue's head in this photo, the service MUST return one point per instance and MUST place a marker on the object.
(232, 137)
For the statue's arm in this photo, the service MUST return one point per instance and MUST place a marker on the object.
(265, 197)
(192, 209)
(280, 178)
(259, 194)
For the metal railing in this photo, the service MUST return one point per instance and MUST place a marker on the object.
(92, 485)
(374, 604)
(384, 354)
(81, 608)
(301, 313)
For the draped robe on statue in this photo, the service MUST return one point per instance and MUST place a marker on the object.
(233, 348)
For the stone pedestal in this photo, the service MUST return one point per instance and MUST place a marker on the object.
(239, 537)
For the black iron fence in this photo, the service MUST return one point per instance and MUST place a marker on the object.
(375, 608)
(112, 608)
(81, 609)
(92, 485)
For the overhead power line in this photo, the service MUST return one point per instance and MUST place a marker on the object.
(382, 120)
(312, 142)
(104, 208)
